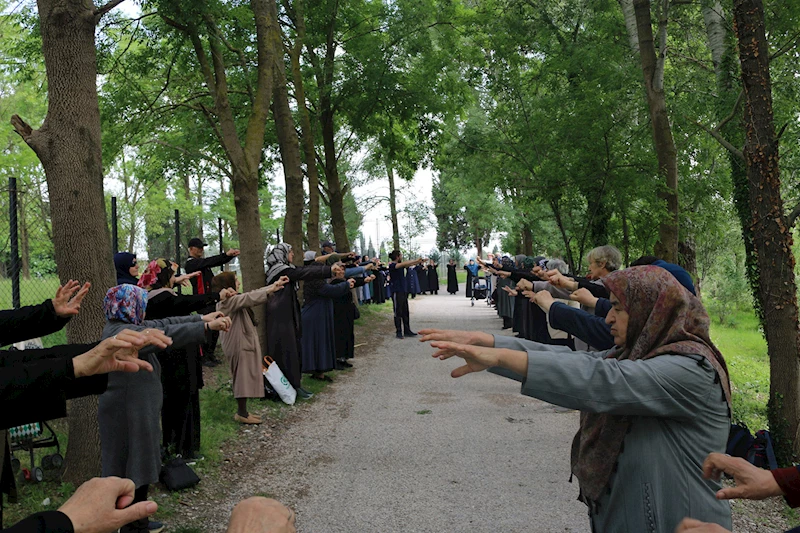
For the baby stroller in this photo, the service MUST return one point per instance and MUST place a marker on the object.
(479, 290)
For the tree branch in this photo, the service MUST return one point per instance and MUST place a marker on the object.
(785, 48)
(791, 218)
(199, 155)
(102, 10)
(720, 139)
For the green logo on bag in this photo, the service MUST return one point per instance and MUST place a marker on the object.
(284, 382)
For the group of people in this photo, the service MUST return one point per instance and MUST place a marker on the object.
(630, 349)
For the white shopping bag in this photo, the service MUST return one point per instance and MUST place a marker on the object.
(275, 376)
(557, 333)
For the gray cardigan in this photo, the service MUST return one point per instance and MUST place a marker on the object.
(679, 415)
(129, 412)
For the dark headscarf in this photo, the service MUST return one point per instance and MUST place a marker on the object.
(664, 318)
(123, 261)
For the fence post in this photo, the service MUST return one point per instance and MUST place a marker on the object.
(12, 216)
(278, 234)
(178, 245)
(221, 247)
(114, 234)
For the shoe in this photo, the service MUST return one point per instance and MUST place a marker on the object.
(210, 363)
(304, 394)
(409, 333)
(154, 527)
(345, 364)
(399, 335)
(248, 420)
(322, 377)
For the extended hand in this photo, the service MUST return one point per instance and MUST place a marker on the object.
(210, 317)
(690, 525)
(752, 483)
(544, 300)
(279, 284)
(351, 282)
(224, 294)
(524, 285)
(560, 280)
(222, 323)
(101, 505)
(119, 353)
(476, 338)
(477, 358)
(585, 297)
(233, 252)
(183, 279)
(503, 274)
(510, 291)
(67, 302)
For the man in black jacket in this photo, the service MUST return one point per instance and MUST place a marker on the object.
(202, 285)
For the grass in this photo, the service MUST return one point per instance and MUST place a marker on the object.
(745, 351)
(33, 291)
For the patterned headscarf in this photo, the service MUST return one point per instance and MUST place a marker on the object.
(278, 261)
(151, 272)
(507, 262)
(664, 318)
(126, 303)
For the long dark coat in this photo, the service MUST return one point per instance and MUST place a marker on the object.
(318, 342)
(422, 276)
(433, 278)
(469, 282)
(452, 279)
(344, 315)
(379, 286)
(284, 325)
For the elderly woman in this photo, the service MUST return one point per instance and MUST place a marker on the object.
(651, 408)
(284, 322)
(240, 344)
(130, 409)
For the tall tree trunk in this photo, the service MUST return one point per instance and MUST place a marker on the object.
(24, 241)
(527, 240)
(479, 243)
(307, 131)
(393, 204)
(630, 24)
(333, 185)
(289, 146)
(68, 145)
(666, 152)
(773, 243)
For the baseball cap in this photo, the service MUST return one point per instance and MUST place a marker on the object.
(328, 244)
(196, 243)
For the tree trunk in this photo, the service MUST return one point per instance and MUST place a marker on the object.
(773, 243)
(393, 204)
(630, 24)
(289, 146)
(666, 152)
(68, 145)
(527, 240)
(479, 244)
(312, 221)
(335, 190)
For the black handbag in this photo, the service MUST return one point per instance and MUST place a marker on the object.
(177, 475)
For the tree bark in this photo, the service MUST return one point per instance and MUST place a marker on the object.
(393, 204)
(527, 240)
(68, 145)
(666, 152)
(630, 24)
(289, 146)
(307, 131)
(773, 243)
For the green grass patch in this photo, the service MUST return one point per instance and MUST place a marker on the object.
(424, 412)
(745, 351)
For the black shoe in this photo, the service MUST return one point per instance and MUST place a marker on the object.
(399, 335)
(409, 333)
(154, 526)
(304, 394)
(345, 364)
(211, 363)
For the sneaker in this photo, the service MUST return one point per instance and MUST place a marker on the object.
(154, 527)
(304, 394)
(246, 420)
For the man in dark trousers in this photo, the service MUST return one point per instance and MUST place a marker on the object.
(397, 281)
(202, 285)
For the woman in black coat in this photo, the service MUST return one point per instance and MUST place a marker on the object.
(283, 322)
(433, 277)
(452, 278)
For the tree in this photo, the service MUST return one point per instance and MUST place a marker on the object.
(68, 143)
(773, 242)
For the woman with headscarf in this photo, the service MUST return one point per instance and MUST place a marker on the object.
(652, 408)
(505, 301)
(319, 340)
(125, 265)
(472, 273)
(344, 316)
(240, 344)
(181, 368)
(452, 277)
(433, 277)
(129, 411)
(283, 321)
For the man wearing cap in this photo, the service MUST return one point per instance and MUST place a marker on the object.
(202, 285)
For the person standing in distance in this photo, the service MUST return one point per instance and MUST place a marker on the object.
(202, 285)
(397, 280)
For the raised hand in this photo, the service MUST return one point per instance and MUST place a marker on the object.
(476, 338)
(476, 358)
(210, 317)
(67, 302)
(119, 353)
(510, 291)
(351, 282)
(560, 280)
(224, 294)
(222, 323)
(752, 483)
(102, 505)
(524, 285)
(544, 300)
(585, 297)
(233, 252)
(503, 274)
(183, 279)
(278, 285)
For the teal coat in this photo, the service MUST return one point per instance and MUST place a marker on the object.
(679, 416)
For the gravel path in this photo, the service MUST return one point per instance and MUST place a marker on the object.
(401, 446)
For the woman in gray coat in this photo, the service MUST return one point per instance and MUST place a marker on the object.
(652, 408)
(130, 410)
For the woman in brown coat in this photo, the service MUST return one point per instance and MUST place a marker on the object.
(240, 344)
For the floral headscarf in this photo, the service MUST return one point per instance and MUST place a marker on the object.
(664, 319)
(278, 261)
(151, 272)
(126, 303)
